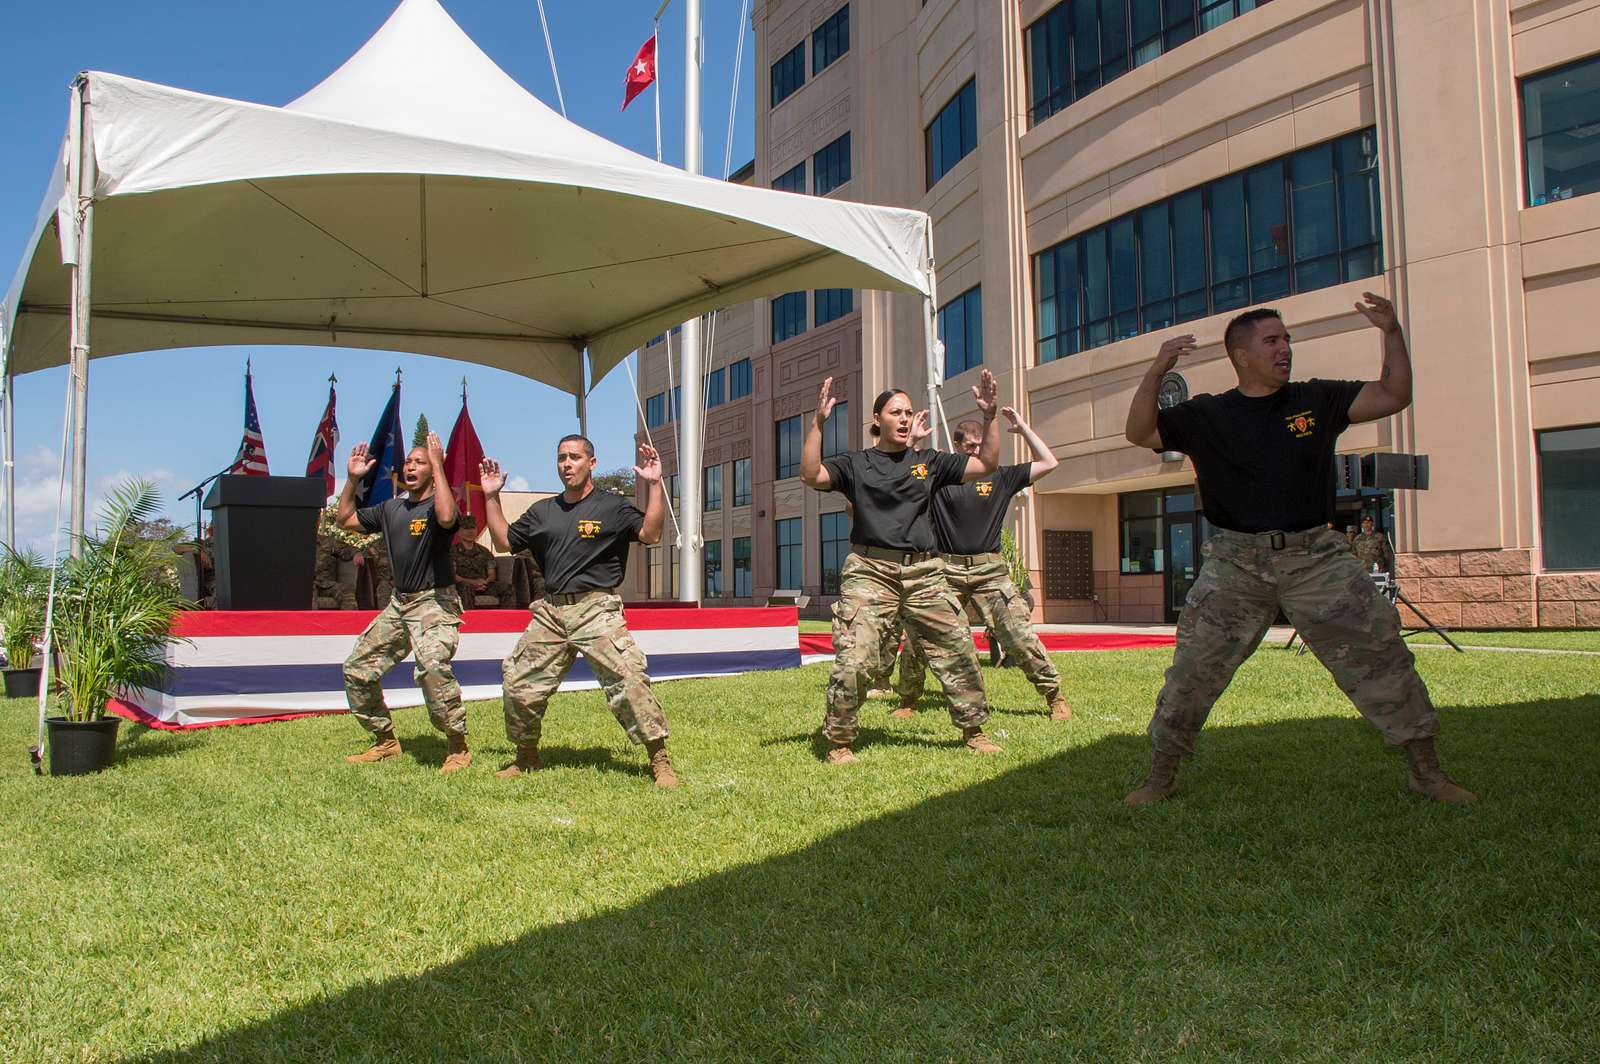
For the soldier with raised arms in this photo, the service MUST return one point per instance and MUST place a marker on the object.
(422, 616)
(894, 574)
(579, 539)
(967, 520)
(1263, 455)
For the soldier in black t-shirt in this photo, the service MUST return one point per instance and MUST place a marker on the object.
(894, 573)
(423, 616)
(1264, 458)
(967, 520)
(579, 540)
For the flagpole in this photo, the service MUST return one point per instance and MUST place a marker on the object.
(656, 37)
(691, 579)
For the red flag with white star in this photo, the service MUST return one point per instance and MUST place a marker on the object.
(642, 74)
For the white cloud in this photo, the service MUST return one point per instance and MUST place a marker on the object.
(518, 483)
(37, 473)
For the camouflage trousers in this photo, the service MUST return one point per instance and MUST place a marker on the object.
(1329, 598)
(987, 586)
(875, 598)
(499, 589)
(342, 594)
(558, 632)
(426, 623)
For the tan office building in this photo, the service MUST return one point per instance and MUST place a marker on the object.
(1103, 174)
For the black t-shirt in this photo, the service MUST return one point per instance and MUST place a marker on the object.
(967, 517)
(892, 493)
(579, 546)
(418, 546)
(1264, 464)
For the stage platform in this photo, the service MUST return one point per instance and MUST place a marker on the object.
(251, 667)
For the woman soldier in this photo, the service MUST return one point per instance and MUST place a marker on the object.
(894, 574)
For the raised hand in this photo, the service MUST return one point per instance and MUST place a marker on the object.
(435, 450)
(1379, 311)
(826, 401)
(649, 467)
(490, 476)
(1013, 419)
(987, 395)
(361, 462)
(1172, 350)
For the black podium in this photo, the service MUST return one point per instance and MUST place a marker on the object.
(265, 531)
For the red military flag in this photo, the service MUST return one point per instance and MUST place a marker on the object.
(461, 461)
(251, 461)
(642, 74)
(323, 444)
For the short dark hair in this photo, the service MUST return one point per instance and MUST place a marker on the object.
(969, 427)
(1242, 328)
(588, 445)
(879, 403)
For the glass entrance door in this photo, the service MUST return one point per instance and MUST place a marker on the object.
(1183, 560)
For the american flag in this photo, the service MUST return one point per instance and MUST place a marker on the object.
(251, 461)
(320, 464)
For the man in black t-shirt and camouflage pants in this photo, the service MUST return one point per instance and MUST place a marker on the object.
(1263, 456)
(579, 539)
(423, 616)
(967, 519)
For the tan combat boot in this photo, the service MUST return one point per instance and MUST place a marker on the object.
(458, 756)
(383, 748)
(661, 764)
(976, 740)
(841, 754)
(1431, 781)
(527, 761)
(1060, 709)
(1159, 785)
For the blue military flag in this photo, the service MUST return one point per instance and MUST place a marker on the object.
(388, 446)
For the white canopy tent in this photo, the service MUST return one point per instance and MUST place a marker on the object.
(417, 200)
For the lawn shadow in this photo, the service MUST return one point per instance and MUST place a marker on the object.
(1294, 902)
(866, 738)
(140, 743)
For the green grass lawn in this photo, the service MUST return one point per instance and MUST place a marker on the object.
(1542, 639)
(240, 894)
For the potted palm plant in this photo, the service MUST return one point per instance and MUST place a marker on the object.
(115, 603)
(23, 584)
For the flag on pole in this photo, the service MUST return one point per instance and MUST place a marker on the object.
(641, 74)
(461, 462)
(324, 444)
(251, 461)
(388, 446)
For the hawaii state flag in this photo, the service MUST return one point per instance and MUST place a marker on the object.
(641, 74)
(388, 446)
(320, 464)
(461, 462)
(251, 461)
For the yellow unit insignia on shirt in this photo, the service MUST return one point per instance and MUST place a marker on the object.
(1301, 425)
(920, 471)
(418, 525)
(985, 488)
(588, 529)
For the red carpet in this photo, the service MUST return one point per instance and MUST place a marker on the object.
(822, 642)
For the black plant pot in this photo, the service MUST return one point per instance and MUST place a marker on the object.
(78, 748)
(22, 683)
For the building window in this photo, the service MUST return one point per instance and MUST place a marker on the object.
(1141, 531)
(788, 73)
(836, 431)
(713, 562)
(835, 546)
(652, 557)
(1302, 222)
(1560, 113)
(830, 167)
(953, 134)
(715, 392)
(677, 403)
(742, 582)
(1569, 496)
(831, 303)
(739, 379)
(830, 40)
(711, 492)
(791, 180)
(789, 437)
(672, 489)
(791, 556)
(741, 482)
(961, 331)
(655, 410)
(1079, 45)
(788, 316)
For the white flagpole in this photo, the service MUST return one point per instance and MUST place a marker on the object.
(656, 37)
(691, 426)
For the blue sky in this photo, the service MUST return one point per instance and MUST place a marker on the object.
(176, 416)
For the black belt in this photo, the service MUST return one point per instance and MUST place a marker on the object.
(1276, 540)
(899, 557)
(569, 598)
(969, 560)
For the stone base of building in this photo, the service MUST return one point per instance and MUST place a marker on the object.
(1495, 589)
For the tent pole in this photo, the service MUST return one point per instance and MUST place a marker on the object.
(930, 332)
(83, 182)
(691, 427)
(8, 451)
(583, 393)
